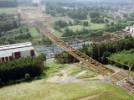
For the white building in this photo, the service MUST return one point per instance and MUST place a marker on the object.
(16, 51)
(130, 30)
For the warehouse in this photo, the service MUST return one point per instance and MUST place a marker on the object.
(16, 51)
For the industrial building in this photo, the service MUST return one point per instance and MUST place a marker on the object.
(16, 51)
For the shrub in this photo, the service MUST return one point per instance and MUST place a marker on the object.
(64, 57)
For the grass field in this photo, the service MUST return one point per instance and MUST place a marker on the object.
(8, 10)
(124, 57)
(36, 37)
(92, 26)
(71, 69)
(34, 33)
(40, 90)
(53, 67)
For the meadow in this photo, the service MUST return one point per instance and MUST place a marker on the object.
(41, 90)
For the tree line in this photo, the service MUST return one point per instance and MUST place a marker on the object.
(23, 68)
(11, 31)
(100, 51)
(8, 22)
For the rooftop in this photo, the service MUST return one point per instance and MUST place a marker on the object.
(7, 50)
(14, 46)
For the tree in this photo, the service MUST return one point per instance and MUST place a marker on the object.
(96, 17)
(85, 23)
(68, 32)
(61, 23)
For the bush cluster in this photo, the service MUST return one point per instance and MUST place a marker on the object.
(20, 68)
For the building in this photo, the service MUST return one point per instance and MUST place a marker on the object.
(130, 30)
(16, 51)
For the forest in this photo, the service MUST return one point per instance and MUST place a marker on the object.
(11, 31)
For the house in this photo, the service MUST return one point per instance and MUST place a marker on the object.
(16, 51)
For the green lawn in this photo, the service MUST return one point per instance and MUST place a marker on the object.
(92, 26)
(95, 26)
(8, 10)
(40, 90)
(36, 37)
(53, 67)
(71, 69)
(124, 57)
(76, 27)
(34, 33)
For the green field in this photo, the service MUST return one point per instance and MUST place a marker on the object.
(8, 10)
(41, 90)
(124, 57)
(34, 33)
(71, 69)
(92, 26)
(58, 34)
(36, 37)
